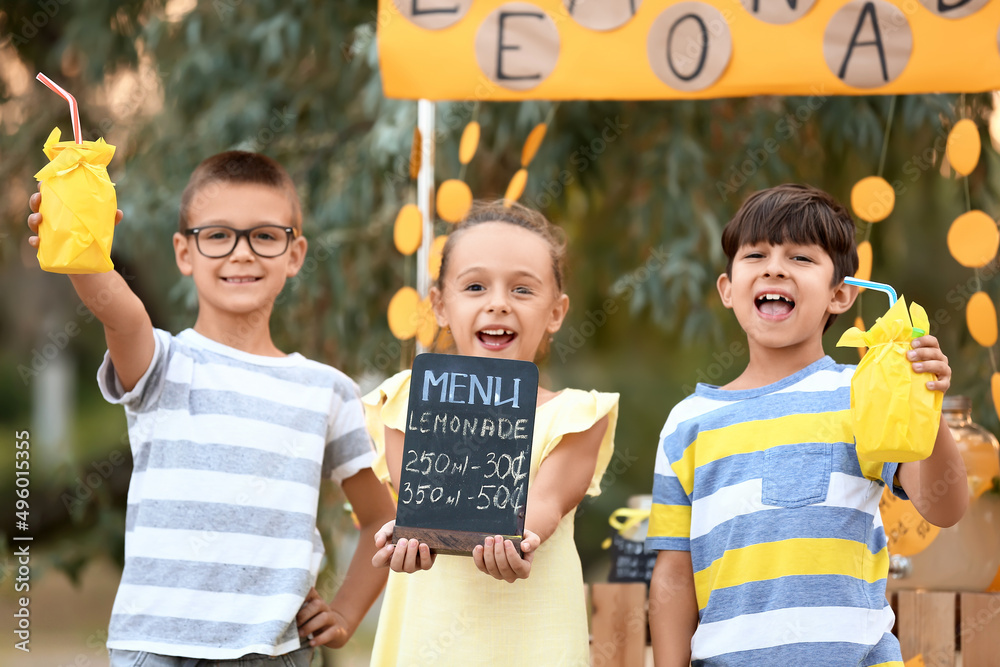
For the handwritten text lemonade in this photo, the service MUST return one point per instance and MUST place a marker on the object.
(506, 471)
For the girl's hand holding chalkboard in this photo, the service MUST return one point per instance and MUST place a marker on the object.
(406, 556)
(499, 559)
(318, 619)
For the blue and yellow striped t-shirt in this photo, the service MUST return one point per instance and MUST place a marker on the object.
(764, 488)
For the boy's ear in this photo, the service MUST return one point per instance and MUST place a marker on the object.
(437, 305)
(842, 299)
(182, 254)
(725, 286)
(558, 313)
(296, 255)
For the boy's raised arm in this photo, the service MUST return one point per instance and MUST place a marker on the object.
(937, 485)
(127, 326)
(673, 609)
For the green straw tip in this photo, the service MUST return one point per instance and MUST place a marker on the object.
(917, 333)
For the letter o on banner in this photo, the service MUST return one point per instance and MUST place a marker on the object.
(689, 46)
(953, 9)
(868, 43)
(433, 14)
(517, 46)
(602, 14)
(778, 13)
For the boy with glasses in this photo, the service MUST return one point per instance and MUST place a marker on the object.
(230, 440)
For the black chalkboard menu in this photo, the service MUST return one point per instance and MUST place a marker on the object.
(630, 560)
(466, 451)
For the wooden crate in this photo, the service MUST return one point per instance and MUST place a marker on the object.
(946, 629)
(618, 625)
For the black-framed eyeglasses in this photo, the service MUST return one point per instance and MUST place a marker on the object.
(217, 241)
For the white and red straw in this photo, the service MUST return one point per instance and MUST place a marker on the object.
(74, 110)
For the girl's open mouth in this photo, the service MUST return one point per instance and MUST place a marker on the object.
(496, 339)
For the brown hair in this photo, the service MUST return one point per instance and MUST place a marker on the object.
(512, 214)
(795, 213)
(239, 167)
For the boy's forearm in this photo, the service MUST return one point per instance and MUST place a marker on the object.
(671, 640)
(362, 583)
(673, 609)
(127, 327)
(938, 485)
(110, 299)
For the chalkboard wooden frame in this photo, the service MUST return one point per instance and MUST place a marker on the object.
(444, 401)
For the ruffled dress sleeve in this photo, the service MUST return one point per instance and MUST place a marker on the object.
(576, 411)
(386, 406)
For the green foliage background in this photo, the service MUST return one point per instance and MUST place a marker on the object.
(299, 81)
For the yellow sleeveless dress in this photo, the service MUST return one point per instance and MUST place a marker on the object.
(453, 614)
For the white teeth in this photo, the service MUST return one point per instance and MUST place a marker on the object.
(240, 280)
(497, 332)
(773, 297)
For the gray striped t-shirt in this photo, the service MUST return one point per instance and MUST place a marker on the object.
(221, 544)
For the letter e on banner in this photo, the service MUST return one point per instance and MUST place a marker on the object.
(433, 14)
(689, 46)
(517, 46)
(867, 43)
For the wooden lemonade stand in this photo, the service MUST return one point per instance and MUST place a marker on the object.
(939, 628)
(664, 50)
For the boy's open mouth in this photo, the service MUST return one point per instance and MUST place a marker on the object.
(496, 339)
(774, 305)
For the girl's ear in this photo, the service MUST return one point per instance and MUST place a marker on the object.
(558, 313)
(842, 299)
(437, 305)
(182, 254)
(725, 286)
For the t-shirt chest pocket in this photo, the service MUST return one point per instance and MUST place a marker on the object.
(796, 475)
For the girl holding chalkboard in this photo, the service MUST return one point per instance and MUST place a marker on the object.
(500, 294)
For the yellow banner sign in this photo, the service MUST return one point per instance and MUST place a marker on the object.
(664, 49)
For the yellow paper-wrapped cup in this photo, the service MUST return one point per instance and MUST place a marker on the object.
(78, 207)
(895, 415)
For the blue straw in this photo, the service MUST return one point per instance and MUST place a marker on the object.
(870, 284)
(881, 287)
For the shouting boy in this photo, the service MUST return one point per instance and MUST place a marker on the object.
(771, 546)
